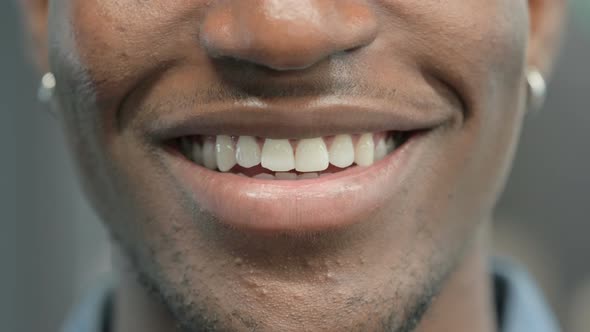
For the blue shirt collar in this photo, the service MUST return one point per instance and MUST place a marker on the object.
(520, 306)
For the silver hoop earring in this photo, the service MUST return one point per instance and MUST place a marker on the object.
(46, 88)
(537, 89)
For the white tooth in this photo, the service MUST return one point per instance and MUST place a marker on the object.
(325, 174)
(380, 150)
(308, 176)
(277, 155)
(264, 176)
(365, 150)
(286, 176)
(247, 152)
(390, 144)
(342, 151)
(311, 155)
(197, 153)
(226, 154)
(209, 158)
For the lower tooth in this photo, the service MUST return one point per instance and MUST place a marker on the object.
(285, 176)
(308, 176)
(264, 176)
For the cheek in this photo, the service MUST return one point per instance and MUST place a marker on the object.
(120, 43)
(97, 48)
(479, 48)
(487, 63)
(497, 117)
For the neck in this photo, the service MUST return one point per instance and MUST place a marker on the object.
(463, 305)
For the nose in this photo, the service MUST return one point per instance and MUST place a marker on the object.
(286, 34)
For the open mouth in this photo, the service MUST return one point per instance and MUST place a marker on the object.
(289, 159)
(293, 185)
(313, 170)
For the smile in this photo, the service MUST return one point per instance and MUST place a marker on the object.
(289, 159)
(272, 170)
(286, 186)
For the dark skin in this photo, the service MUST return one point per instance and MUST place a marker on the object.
(416, 263)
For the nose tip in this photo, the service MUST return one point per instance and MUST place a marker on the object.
(286, 34)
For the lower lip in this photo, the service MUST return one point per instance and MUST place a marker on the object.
(299, 206)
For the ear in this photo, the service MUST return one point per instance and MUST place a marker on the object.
(546, 27)
(35, 18)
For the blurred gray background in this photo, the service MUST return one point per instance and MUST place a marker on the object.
(53, 246)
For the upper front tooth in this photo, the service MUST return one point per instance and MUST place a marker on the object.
(209, 158)
(365, 150)
(226, 154)
(247, 152)
(311, 155)
(342, 151)
(277, 155)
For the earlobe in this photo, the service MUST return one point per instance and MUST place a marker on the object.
(546, 28)
(35, 14)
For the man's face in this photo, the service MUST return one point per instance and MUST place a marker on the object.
(145, 86)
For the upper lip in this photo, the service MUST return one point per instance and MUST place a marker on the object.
(322, 117)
